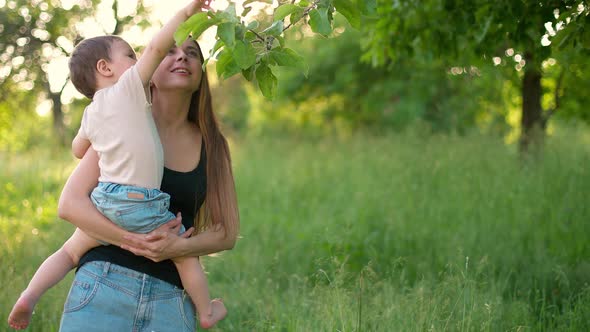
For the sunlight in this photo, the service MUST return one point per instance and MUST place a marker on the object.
(4, 72)
(44, 107)
(58, 72)
(549, 28)
(65, 43)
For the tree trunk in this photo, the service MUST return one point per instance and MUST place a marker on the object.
(58, 118)
(532, 121)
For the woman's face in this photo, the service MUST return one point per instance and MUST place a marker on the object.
(180, 69)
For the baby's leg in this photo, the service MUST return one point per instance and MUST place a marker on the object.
(51, 271)
(194, 282)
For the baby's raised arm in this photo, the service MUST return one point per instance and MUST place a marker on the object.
(164, 40)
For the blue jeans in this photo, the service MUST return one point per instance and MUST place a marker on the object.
(108, 297)
(136, 209)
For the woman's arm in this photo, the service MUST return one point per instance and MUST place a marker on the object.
(76, 207)
(162, 244)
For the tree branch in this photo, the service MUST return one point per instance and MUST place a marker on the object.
(257, 35)
(305, 13)
(556, 97)
(116, 15)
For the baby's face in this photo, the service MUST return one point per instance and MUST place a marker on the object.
(122, 58)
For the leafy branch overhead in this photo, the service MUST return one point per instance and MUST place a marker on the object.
(247, 48)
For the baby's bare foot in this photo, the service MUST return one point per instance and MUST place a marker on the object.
(218, 312)
(21, 313)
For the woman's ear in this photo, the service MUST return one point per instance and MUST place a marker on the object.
(103, 67)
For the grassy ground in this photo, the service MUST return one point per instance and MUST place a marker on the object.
(389, 233)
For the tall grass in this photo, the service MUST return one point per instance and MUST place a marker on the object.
(390, 233)
(30, 230)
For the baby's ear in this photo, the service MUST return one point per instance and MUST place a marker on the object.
(103, 68)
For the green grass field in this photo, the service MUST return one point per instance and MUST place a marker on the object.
(390, 233)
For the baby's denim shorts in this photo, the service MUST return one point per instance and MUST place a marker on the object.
(136, 209)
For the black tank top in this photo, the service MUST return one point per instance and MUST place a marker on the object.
(187, 193)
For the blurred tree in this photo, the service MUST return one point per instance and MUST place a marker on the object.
(458, 30)
(411, 91)
(20, 126)
(36, 34)
(566, 74)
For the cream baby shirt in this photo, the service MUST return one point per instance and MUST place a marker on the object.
(119, 125)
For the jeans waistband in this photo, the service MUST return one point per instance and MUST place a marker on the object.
(130, 282)
(107, 267)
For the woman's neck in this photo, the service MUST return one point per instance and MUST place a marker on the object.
(170, 109)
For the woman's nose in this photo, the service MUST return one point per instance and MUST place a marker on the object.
(181, 56)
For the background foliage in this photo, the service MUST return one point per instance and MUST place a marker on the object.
(447, 66)
(374, 142)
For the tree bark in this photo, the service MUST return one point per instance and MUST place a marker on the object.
(58, 118)
(532, 118)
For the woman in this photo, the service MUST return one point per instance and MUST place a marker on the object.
(116, 290)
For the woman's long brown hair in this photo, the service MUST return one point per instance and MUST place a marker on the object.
(221, 206)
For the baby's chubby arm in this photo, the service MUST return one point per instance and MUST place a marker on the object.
(157, 49)
(80, 146)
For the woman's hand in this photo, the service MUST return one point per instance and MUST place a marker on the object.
(160, 244)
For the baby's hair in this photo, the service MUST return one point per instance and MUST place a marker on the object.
(84, 59)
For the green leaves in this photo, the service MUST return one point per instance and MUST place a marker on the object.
(226, 66)
(349, 10)
(229, 14)
(275, 29)
(246, 48)
(244, 54)
(319, 22)
(367, 7)
(227, 33)
(253, 25)
(285, 10)
(286, 57)
(194, 26)
(267, 81)
(247, 2)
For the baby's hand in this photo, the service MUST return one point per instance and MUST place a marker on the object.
(196, 6)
